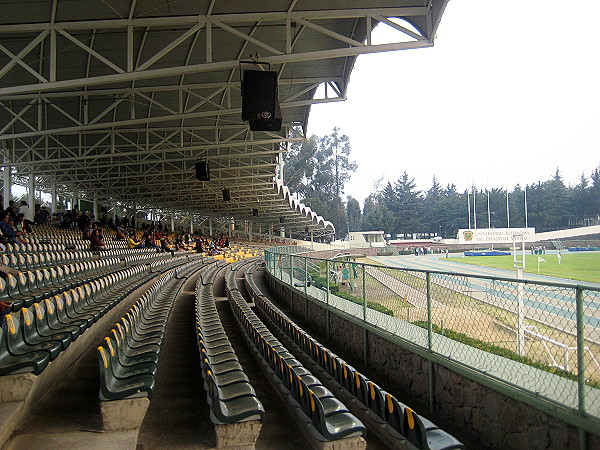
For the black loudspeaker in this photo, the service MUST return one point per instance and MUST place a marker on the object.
(255, 212)
(282, 220)
(226, 195)
(260, 106)
(202, 171)
(268, 124)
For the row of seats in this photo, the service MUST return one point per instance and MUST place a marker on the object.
(400, 419)
(27, 288)
(328, 418)
(30, 339)
(231, 397)
(128, 357)
(24, 248)
(32, 261)
(32, 285)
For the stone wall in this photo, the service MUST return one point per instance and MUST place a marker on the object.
(486, 416)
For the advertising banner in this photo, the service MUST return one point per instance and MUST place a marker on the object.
(494, 235)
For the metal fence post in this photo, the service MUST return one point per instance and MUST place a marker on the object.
(431, 378)
(280, 258)
(520, 315)
(580, 350)
(305, 275)
(327, 270)
(364, 289)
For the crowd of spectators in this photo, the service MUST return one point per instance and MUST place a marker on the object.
(14, 228)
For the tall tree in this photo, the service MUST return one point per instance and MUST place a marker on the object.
(318, 169)
(353, 211)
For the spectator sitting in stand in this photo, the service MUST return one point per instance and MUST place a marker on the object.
(12, 209)
(24, 209)
(97, 240)
(149, 241)
(121, 234)
(164, 246)
(41, 216)
(21, 228)
(88, 231)
(6, 227)
(132, 241)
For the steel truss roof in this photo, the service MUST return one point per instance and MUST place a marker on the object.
(118, 99)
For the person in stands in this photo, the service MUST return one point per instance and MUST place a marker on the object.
(97, 240)
(6, 227)
(132, 241)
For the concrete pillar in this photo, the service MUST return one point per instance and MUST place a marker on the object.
(7, 180)
(191, 223)
(172, 220)
(74, 200)
(210, 227)
(31, 196)
(114, 210)
(282, 232)
(53, 200)
(249, 230)
(231, 225)
(95, 208)
(270, 232)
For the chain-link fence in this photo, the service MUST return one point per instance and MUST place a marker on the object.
(540, 337)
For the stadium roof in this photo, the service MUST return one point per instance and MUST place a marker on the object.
(118, 99)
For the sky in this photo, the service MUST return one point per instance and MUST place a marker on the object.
(509, 92)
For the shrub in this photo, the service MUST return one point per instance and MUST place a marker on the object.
(504, 352)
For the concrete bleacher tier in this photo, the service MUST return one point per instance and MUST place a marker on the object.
(325, 417)
(234, 408)
(395, 418)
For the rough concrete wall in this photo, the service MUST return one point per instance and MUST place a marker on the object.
(489, 417)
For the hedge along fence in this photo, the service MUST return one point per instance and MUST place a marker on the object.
(321, 283)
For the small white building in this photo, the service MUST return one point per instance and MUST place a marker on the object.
(366, 239)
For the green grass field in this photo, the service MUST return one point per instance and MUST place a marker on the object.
(582, 266)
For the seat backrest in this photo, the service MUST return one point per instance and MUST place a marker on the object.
(414, 431)
(13, 286)
(27, 324)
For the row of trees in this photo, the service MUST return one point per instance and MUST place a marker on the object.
(318, 169)
(400, 209)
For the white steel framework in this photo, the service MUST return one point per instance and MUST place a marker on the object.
(116, 100)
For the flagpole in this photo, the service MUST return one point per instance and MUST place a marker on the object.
(525, 202)
(469, 207)
(507, 207)
(488, 205)
(474, 207)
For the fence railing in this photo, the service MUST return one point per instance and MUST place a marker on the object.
(542, 338)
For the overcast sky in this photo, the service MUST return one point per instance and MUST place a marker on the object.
(509, 92)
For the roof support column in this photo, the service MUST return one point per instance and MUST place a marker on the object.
(249, 230)
(172, 221)
(210, 227)
(231, 226)
(30, 196)
(270, 232)
(53, 202)
(7, 180)
(74, 200)
(114, 211)
(95, 208)
(191, 223)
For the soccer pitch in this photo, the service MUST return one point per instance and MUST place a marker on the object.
(581, 266)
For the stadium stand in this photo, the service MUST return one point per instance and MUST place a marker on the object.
(400, 420)
(326, 418)
(129, 356)
(231, 397)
